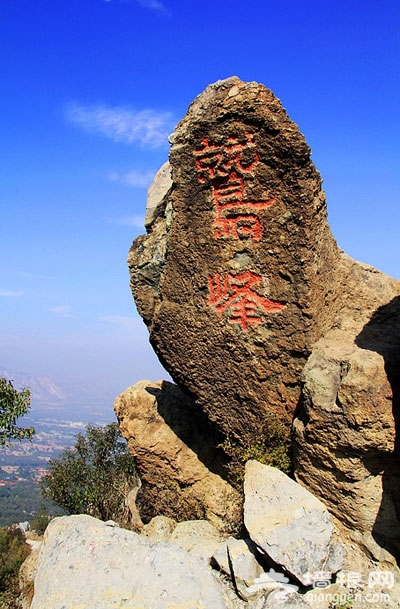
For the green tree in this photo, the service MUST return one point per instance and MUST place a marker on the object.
(94, 477)
(13, 404)
(13, 551)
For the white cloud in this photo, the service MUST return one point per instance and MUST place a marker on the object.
(154, 5)
(146, 127)
(61, 310)
(11, 293)
(132, 324)
(136, 221)
(139, 179)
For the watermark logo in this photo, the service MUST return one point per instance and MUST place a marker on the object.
(358, 587)
(273, 580)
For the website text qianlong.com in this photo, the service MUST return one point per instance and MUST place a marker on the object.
(341, 598)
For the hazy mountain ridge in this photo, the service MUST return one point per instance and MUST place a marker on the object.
(49, 395)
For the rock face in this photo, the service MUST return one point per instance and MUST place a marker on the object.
(85, 563)
(289, 524)
(346, 432)
(175, 450)
(238, 555)
(240, 281)
(236, 276)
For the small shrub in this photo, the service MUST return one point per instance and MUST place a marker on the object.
(270, 444)
(13, 405)
(13, 551)
(40, 522)
(343, 603)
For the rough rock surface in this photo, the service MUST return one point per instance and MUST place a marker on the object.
(285, 601)
(236, 276)
(175, 451)
(346, 430)
(238, 555)
(85, 563)
(288, 523)
(159, 528)
(239, 280)
(26, 577)
(198, 537)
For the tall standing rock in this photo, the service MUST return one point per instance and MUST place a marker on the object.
(236, 276)
(252, 308)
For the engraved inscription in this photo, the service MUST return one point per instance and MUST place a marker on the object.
(236, 217)
(226, 166)
(237, 295)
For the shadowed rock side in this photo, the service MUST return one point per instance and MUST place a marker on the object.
(346, 431)
(175, 454)
(236, 278)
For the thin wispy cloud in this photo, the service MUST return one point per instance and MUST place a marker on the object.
(139, 179)
(61, 310)
(135, 221)
(153, 5)
(123, 322)
(146, 127)
(11, 293)
(29, 275)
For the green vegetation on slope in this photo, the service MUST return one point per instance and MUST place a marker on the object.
(13, 404)
(94, 477)
(13, 551)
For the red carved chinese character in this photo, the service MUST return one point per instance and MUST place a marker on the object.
(218, 161)
(236, 293)
(225, 165)
(235, 217)
(238, 227)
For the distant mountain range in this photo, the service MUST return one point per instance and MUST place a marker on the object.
(67, 399)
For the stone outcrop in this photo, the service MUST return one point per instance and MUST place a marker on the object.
(89, 564)
(253, 309)
(346, 431)
(85, 563)
(236, 277)
(289, 524)
(175, 453)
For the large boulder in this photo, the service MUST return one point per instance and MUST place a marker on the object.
(236, 278)
(289, 524)
(240, 282)
(175, 453)
(346, 431)
(85, 563)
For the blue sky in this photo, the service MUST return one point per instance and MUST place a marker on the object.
(90, 90)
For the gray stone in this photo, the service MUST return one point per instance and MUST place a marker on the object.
(159, 528)
(198, 537)
(290, 525)
(85, 564)
(344, 436)
(240, 554)
(280, 600)
(156, 193)
(135, 519)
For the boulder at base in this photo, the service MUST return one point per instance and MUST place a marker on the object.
(289, 524)
(174, 450)
(85, 563)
